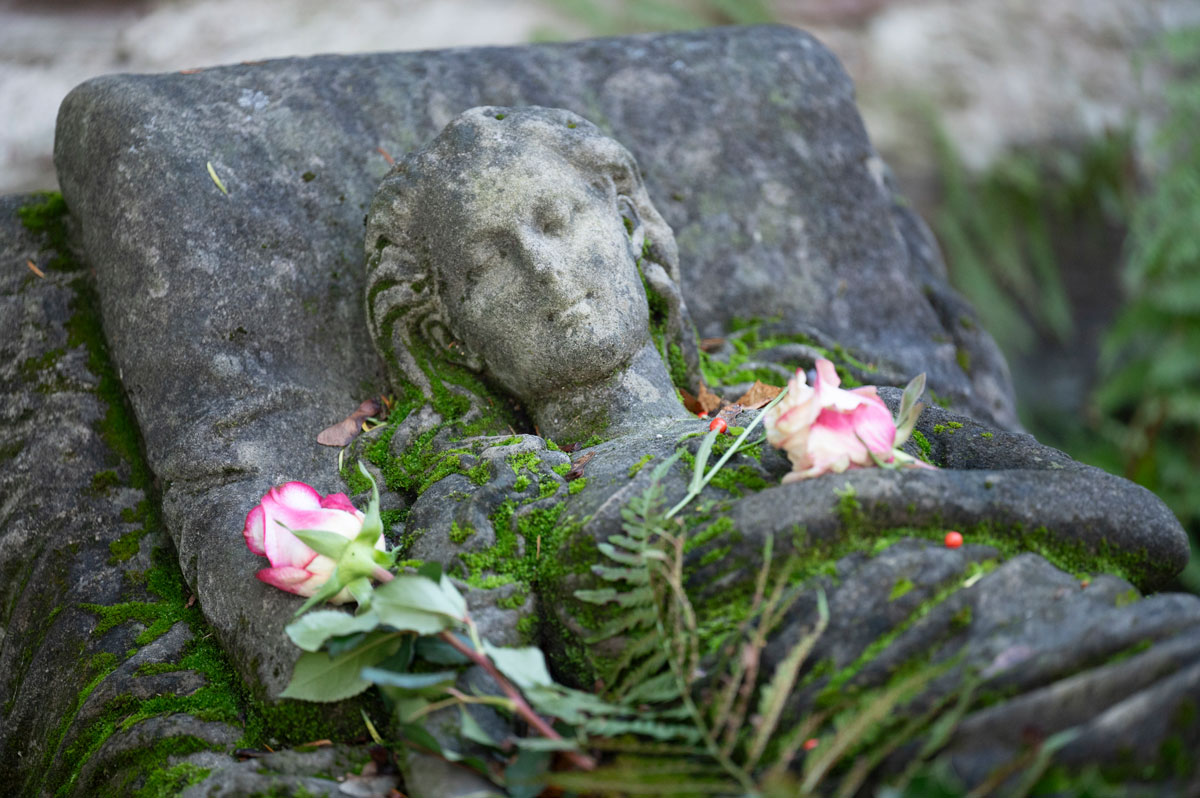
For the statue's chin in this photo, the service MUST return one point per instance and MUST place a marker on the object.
(569, 363)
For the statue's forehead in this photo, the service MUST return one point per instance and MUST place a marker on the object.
(495, 188)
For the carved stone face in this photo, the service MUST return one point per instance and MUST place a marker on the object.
(537, 272)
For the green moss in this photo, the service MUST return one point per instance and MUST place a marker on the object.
(734, 479)
(479, 474)
(526, 550)
(104, 481)
(714, 555)
(676, 365)
(721, 528)
(308, 177)
(459, 534)
(574, 486)
(47, 216)
(987, 435)
(639, 465)
(527, 460)
(170, 782)
(751, 340)
(561, 469)
(527, 626)
(1128, 597)
(521, 484)
(31, 368)
(963, 357)
(513, 602)
(902, 587)
(924, 447)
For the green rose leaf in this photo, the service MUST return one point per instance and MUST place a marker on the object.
(471, 730)
(408, 681)
(524, 667)
(311, 631)
(439, 652)
(418, 604)
(319, 677)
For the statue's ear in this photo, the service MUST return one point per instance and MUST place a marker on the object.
(443, 342)
(633, 223)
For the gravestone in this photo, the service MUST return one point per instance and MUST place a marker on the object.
(223, 214)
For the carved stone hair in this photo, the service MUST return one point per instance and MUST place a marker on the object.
(404, 310)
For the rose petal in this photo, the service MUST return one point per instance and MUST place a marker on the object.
(875, 427)
(293, 580)
(338, 501)
(253, 530)
(294, 495)
(284, 548)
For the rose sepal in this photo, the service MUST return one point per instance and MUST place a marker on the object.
(358, 561)
(910, 410)
(331, 544)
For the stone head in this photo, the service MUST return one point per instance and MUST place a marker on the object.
(512, 244)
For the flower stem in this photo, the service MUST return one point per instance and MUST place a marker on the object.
(730, 452)
(520, 705)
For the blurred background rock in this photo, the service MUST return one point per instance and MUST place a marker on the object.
(1051, 144)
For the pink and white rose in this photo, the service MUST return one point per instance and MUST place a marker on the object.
(295, 567)
(824, 428)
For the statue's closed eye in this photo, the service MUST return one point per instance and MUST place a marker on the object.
(552, 218)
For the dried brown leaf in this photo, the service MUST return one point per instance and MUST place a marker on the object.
(758, 396)
(33, 268)
(709, 401)
(711, 345)
(691, 403)
(348, 428)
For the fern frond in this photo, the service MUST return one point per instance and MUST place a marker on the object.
(774, 695)
(624, 622)
(634, 576)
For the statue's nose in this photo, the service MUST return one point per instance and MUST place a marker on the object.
(541, 258)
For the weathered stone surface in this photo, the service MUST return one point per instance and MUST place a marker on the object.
(1118, 669)
(69, 548)
(236, 319)
(335, 771)
(255, 295)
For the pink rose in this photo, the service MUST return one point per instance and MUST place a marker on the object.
(824, 428)
(295, 567)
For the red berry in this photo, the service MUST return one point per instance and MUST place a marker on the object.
(703, 414)
(811, 743)
(953, 539)
(718, 424)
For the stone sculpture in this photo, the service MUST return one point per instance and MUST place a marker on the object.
(513, 244)
(752, 149)
(509, 246)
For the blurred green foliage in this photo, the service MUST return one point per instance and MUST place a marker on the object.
(1149, 400)
(1004, 234)
(619, 17)
(998, 229)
